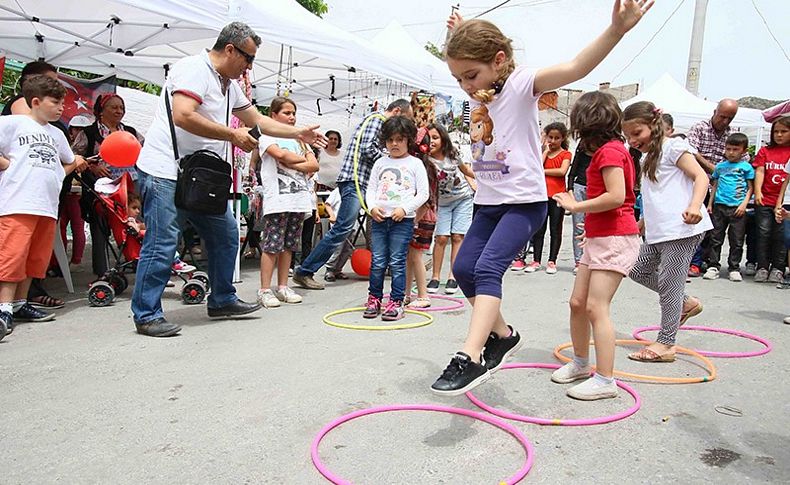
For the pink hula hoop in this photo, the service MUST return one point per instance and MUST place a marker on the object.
(457, 303)
(558, 422)
(515, 432)
(722, 355)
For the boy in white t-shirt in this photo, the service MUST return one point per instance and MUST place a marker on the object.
(35, 157)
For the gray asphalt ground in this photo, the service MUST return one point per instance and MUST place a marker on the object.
(87, 400)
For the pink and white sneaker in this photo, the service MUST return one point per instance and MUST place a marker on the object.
(518, 265)
(532, 267)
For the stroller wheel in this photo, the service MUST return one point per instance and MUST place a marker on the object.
(100, 293)
(193, 292)
(119, 282)
(203, 277)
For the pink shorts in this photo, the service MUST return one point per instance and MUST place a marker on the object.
(611, 253)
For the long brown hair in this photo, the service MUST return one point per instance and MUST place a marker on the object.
(782, 120)
(646, 113)
(480, 40)
(595, 120)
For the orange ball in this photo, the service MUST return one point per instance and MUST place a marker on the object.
(120, 149)
(360, 262)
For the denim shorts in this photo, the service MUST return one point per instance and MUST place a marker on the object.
(455, 217)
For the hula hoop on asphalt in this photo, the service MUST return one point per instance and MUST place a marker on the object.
(456, 303)
(460, 295)
(658, 379)
(512, 430)
(767, 346)
(400, 326)
(558, 422)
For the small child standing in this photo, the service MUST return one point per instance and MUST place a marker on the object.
(398, 186)
(611, 243)
(556, 162)
(769, 167)
(780, 135)
(733, 183)
(35, 157)
(287, 202)
(674, 222)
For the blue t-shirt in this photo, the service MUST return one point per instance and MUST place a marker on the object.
(731, 188)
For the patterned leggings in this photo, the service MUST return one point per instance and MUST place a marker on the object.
(663, 268)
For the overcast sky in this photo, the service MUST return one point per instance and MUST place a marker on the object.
(739, 57)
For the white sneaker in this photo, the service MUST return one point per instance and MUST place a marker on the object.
(736, 276)
(592, 390)
(267, 299)
(287, 295)
(786, 320)
(570, 372)
(711, 274)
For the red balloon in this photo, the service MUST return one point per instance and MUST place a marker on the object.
(360, 262)
(120, 149)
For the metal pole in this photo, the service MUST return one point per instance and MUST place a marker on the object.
(695, 50)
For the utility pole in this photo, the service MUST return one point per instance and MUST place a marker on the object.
(695, 50)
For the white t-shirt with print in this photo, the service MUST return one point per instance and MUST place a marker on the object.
(284, 189)
(505, 133)
(329, 168)
(31, 184)
(397, 182)
(195, 77)
(452, 183)
(664, 201)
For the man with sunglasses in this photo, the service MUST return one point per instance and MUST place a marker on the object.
(202, 92)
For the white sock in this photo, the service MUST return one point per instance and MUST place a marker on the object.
(7, 307)
(581, 362)
(18, 304)
(603, 380)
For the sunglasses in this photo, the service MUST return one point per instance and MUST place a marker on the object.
(248, 57)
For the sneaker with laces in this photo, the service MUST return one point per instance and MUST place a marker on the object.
(498, 349)
(461, 375)
(532, 267)
(287, 295)
(785, 284)
(761, 276)
(551, 267)
(6, 324)
(750, 270)
(306, 281)
(694, 271)
(372, 307)
(182, 267)
(518, 265)
(393, 311)
(570, 372)
(711, 274)
(451, 287)
(735, 276)
(29, 313)
(268, 299)
(593, 389)
(433, 286)
(776, 276)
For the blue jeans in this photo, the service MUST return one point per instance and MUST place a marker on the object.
(346, 218)
(162, 220)
(390, 245)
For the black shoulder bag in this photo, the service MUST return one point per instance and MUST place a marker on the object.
(204, 177)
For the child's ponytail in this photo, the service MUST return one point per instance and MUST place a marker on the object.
(647, 113)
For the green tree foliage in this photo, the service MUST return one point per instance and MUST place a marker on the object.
(433, 49)
(318, 7)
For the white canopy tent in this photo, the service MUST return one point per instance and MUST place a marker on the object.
(687, 109)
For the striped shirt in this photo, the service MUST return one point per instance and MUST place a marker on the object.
(369, 150)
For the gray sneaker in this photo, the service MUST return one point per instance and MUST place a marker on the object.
(761, 276)
(750, 270)
(307, 281)
(776, 276)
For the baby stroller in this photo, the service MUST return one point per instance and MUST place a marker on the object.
(111, 208)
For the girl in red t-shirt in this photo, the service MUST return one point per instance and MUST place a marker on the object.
(556, 162)
(611, 243)
(769, 174)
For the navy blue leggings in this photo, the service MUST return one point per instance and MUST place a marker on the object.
(497, 233)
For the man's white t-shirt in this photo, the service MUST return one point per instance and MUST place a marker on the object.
(195, 77)
(284, 189)
(664, 201)
(505, 133)
(31, 184)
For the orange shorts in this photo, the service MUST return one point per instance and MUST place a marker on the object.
(25, 246)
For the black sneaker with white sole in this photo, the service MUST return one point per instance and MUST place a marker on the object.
(461, 375)
(433, 286)
(498, 349)
(6, 324)
(451, 287)
(29, 313)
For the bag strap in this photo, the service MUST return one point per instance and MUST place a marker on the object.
(172, 125)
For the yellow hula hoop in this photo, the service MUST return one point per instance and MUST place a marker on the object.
(401, 326)
(356, 158)
(659, 379)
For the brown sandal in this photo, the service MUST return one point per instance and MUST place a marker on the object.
(649, 355)
(695, 310)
